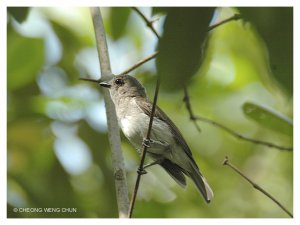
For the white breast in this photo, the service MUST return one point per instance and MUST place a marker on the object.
(135, 128)
(128, 125)
(134, 124)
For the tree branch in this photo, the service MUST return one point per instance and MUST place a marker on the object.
(91, 80)
(230, 131)
(257, 187)
(188, 106)
(141, 166)
(144, 151)
(113, 128)
(139, 63)
(148, 22)
(234, 17)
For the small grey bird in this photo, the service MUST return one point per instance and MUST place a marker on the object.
(167, 147)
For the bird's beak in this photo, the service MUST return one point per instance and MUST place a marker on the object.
(105, 84)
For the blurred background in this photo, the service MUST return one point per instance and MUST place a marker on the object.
(58, 151)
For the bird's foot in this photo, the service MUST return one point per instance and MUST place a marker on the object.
(147, 142)
(141, 171)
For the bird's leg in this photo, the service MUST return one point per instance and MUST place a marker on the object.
(157, 161)
(155, 147)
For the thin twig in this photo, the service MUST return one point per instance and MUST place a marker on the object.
(112, 122)
(233, 133)
(148, 22)
(257, 187)
(139, 63)
(144, 151)
(230, 131)
(91, 80)
(234, 17)
(188, 106)
(141, 166)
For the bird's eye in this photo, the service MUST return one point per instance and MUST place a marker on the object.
(119, 82)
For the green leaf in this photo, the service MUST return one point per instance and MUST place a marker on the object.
(118, 20)
(19, 13)
(180, 47)
(268, 118)
(25, 58)
(275, 25)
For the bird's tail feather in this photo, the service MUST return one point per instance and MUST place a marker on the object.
(174, 171)
(177, 173)
(201, 183)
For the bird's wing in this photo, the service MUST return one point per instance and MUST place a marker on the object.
(146, 106)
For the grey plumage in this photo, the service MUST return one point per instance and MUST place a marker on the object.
(167, 144)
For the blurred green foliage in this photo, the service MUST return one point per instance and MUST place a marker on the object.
(118, 19)
(19, 13)
(180, 47)
(275, 25)
(17, 54)
(58, 150)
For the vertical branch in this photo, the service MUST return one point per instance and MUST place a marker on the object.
(141, 166)
(113, 128)
(144, 151)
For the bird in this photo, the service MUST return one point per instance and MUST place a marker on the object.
(166, 146)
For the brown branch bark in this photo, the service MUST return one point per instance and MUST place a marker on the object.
(195, 118)
(139, 63)
(148, 22)
(186, 100)
(144, 151)
(256, 186)
(234, 17)
(228, 130)
(90, 80)
(141, 166)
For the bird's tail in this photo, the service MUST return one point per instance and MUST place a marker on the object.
(174, 171)
(201, 183)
